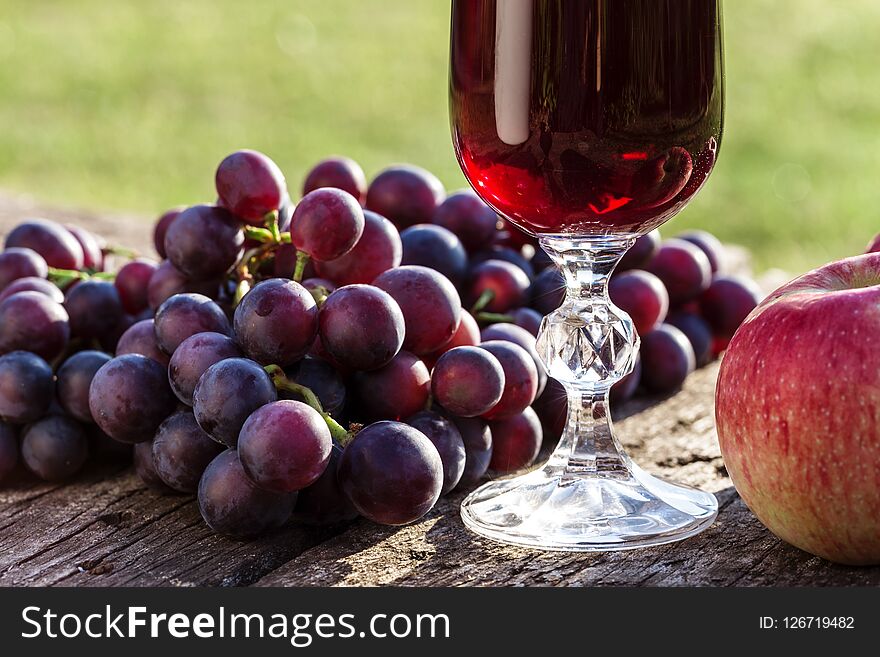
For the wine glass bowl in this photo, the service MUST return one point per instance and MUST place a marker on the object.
(587, 124)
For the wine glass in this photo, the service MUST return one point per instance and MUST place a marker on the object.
(587, 123)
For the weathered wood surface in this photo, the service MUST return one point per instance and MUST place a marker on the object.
(106, 529)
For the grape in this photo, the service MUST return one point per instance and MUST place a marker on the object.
(324, 502)
(378, 250)
(527, 319)
(465, 214)
(232, 505)
(507, 284)
(167, 281)
(93, 257)
(33, 284)
(708, 244)
(284, 263)
(683, 268)
(434, 247)
(728, 302)
(285, 213)
(513, 236)
(319, 285)
(26, 387)
(642, 296)
(182, 451)
(552, 408)
(284, 446)
(698, 333)
(520, 378)
(94, 309)
(642, 252)
(361, 326)
(227, 393)
(466, 335)
(250, 184)
(667, 359)
(54, 448)
(391, 473)
(32, 321)
(547, 291)
(195, 355)
(16, 263)
(161, 228)
(322, 379)
(103, 448)
(140, 338)
(204, 241)
(541, 260)
(505, 254)
(327, 223)
(516, 441)
(446, 438)
(430, 305)
(398, 390)
(276, 322)
(477, 440)
(8, 450)
(51, 240)
(184, 315)
(132, 281)
(129, 397)
(339, 172)
(467, 381)
(74, 378)
(519, 336)
(406, 194)
(145, 468)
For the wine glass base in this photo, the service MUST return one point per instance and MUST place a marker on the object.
(551, 509)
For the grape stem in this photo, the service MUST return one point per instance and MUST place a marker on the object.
(279, 378)
(272, 225)
(115, 249)
(263, 235)
(484, 300)
(61, 277)
(301, 259)
(494, 318)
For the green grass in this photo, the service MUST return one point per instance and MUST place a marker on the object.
(130, 105)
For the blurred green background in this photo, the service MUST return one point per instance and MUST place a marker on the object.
(129, 104)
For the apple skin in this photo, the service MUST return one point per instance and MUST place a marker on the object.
(797, 409)
(874, 246)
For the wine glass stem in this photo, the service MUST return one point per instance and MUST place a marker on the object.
(588, 344)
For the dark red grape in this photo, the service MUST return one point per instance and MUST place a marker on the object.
(324, 380)
(540, 261)
(446, 438)
(516, 441)
(54, 448)
(327, 223)
(167, 281)
(391, 473)
(227, 393)
(708, 244)
(182, 451)
(284, 263)
(477, 440)
(727, 303)
(339, 172)
(184, 315)
(434, 247)
(132, 281)
(204, 241)
(547, 291)
(398, 390)
(94, 309)
(276, 322)
(195, 355)
(33, 322)
(683, 268)
(507, 284)
(698, 333)
(466, 335)
(378, 250)
(361, 326)
(8, 449)
(321, 285)
(145, 468)
(250, 184)
(465, 214)
(527, 319)
(51, 240)
(467, 381)
(430, 305)
(93, 257)
(667, 359)
(518, 335)
(74, 378)
(161, 228)
(16, 263)
(505, 254)
(641, 295)
(324, 502)
(406, 194)
(520, 378)
(26, 387)
(140, 338)
(232, 505)
(625, 389)
(284, 446)
(129, 397)
(552, 409)
(642, 252)
(33, 284)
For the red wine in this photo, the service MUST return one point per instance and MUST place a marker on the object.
(586, 116)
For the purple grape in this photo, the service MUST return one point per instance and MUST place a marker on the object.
(527, 319)
(250, 184)
(17, 263)
(641, 295)
(322, 379)
(55, 243)
(26, 387)
(195, 355)
(166, 281)
(276, 322)
(339, 172)
(683, 268)
(468, 381)
(519, 336)
(507, 284)
(33, 322)
(132, 282)
(437, 248)
(505, 254)
(33, 284)
(204, 241)
(54, 448)
(327, 223)
(465, 214)
(406, 194)
(520, 378)
(728, 302)
(477, 440)
(379, 249)
(698, 333)
(182, 451)
(516, 441)
(667, 359)
(708, 244)
(145, 468)
(232, 505)
(184, 315)
(161, 228)
(140, 338)
(547, 291)
(446, 438)
(94, 309)
(8, 450)
(103, 448)
(391, 473)
(396, 391)
(227, 393)
(552, 409)
(129, 397)
(93, 257)
(74, 379)
(324, 502)
(642, 252)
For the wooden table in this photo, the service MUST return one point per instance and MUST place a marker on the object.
(106, 529)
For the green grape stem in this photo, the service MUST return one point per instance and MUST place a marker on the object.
(484, 300)
(279, 378)
(301, 259)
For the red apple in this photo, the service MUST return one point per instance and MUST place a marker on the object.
(798, 411)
